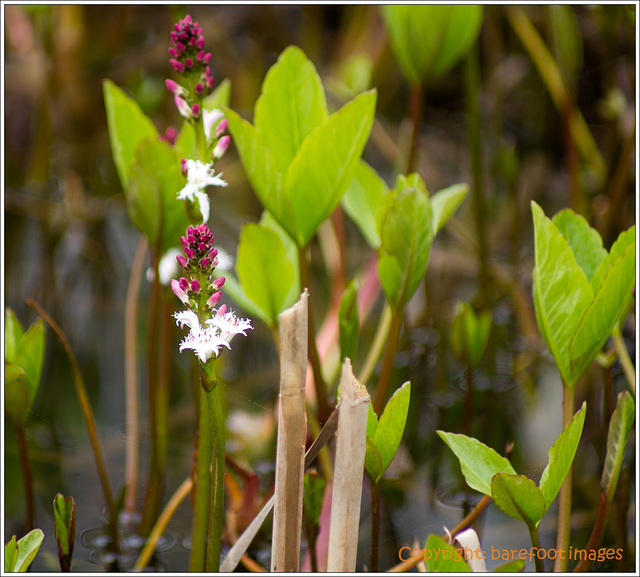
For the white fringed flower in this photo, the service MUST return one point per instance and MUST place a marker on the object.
(199, 176)
(207, 341)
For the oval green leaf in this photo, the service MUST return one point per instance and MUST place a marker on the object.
(478, 462)
(519, 497)
(445, 202)
(443, 558)
(391, 425)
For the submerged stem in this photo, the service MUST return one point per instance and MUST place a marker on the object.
(564, 500)
(375, 524)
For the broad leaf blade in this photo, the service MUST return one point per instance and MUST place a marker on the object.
(27, 548)
(373, 461)
(363, 200)
(291, 105)
(443, 558)
(619, 430)
(602, 315)
(621, 244)
(325, 163)
(585, 242)
(264, 270)
(561, 456)
(221, 96)
(12, 334)
(469, 335)
(519, 497)
(406, 233)
(64, 511)
(391, 425)
(561, 291)
(516, 566)
(478, 462)
(127, 125)
(30, 357)
(445, 202)
(16, 394)
(262, 170)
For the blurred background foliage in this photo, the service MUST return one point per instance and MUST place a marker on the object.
(69, 244)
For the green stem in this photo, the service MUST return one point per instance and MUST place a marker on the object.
(382, 391)
(203, 484)
(314, 359)
(131, 378)
(216, 498)
(468, 403)
(27, 479)
(535, 542)
(625, 360)
(564, 499)
(472, 90)
(375, 350)
(375, 524)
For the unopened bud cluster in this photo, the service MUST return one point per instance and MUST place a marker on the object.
(197, 288)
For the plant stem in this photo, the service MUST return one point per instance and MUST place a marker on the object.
(90, 424)
(468, 403)
(153, 493)
(216, 496)
(203, 485)
(27, 479)
(314, 359)
(535, 542)
(375, 524)
(472, 89)
(375, 350)
(564, 499)
(584, 564)
(131, 379)
(415, 113)
(625, 360)
(382, 390)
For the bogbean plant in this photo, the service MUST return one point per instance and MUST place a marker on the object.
(304, 164)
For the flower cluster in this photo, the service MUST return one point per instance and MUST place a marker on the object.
(199, 289)
(190, 61)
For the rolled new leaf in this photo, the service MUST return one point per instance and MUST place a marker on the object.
(64, 512)
(348, 473)
(292, 432)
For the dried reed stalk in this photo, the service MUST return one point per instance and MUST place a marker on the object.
(292, 432)
(348, 474)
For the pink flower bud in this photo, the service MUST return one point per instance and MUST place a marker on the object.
(200, 56)
(183, 166)
(177, 66)
(180, 46)
(188, 63)
(187, 19)
(175, 88)
(213, 299)
(221, 128)
(213, 253)
(222, 310)
(175, 287)
(205, 262)
(174, 35)
(183, 107)
(195, 110)
(200, 42)
(221, 147)
(174, 53)
(207, 58)
(195, 286)
(190, 253)
(218, 283)
(199, 89)
(183, 283)
(182, 261)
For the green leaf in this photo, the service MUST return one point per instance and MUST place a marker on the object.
(127, 125)
(561, 291)
(516, 566)
(264, 270)
(12, 334)
(585, 242)
(348, 324)
(373, 460)
(322, 169)
(470, 334)
(262, 170)
(406, 233)
(372, 422)
(16, 394)
(18, 556)
(519, 497)
(603, 314)
(291, 105)
(478, 462)
(445, 202)
(155, 180)
(30, 357)
(64, 511)
(363, 199)
(620, 427)
(391, 425)
(561, 456)
(429, 39)
(443, 558)
(622, 243)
